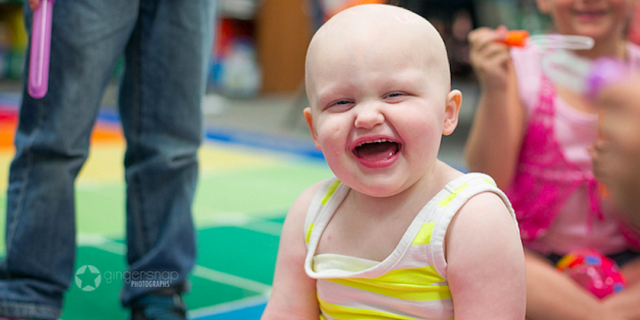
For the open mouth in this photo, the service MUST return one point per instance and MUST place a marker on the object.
(591, 14)
(377, 150)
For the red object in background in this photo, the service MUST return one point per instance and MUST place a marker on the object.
(8, 124)
(331, 7)
(229, 32)
(634, 27)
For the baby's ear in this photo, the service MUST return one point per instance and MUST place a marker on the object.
(454, 101)
(309, 119)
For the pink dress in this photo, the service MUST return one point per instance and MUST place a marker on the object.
(554, 192)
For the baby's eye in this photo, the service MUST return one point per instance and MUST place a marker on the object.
(394, 96)
(339, 105)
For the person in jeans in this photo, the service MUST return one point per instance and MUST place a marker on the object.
(166, 46)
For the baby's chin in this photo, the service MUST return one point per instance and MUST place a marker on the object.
(378, 188)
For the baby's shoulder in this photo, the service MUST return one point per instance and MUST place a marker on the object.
(477, 195)
(485, 205)
(301, 205)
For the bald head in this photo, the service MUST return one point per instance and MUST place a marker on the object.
(372, 34)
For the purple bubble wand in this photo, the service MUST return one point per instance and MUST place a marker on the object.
(40, 49)
(583, 76)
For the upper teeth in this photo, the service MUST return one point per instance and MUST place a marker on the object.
(374, 141)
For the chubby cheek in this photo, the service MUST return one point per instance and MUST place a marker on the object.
(332, 138)
(334, 149)
(624, 5)
(429, 145)
(423, 142)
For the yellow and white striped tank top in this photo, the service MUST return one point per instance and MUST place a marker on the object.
(411, 283)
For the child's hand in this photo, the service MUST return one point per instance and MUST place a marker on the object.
(490, 58)
(616, 157)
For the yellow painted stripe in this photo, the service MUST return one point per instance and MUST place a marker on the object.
(306, 238)
(406, 284)
(424, 235)
(346, 313)
(455, 192)
(330, 191)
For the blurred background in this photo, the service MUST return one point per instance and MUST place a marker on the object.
(261, 43)
(257, 63)
(258, 155)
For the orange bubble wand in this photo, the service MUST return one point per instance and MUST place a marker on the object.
(521, 38)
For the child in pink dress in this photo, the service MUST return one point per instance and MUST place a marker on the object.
(534, 139)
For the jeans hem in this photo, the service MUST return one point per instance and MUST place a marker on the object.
(28, 310)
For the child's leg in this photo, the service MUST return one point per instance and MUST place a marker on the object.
(631, 271)
(551, 295)
(626, 302)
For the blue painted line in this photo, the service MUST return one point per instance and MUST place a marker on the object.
(246, 313)
(10, 99)
(265, 141)
(250, 139)
(110, 116)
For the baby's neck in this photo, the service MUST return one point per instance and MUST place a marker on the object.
(415, 197)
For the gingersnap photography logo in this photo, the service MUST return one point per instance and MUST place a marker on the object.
(88, 278)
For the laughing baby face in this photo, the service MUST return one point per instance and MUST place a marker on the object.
(377, 79)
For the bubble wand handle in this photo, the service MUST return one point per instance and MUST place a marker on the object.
(516, 38)
(520, 38)
(40, 49)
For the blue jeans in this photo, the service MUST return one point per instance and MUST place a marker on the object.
(166, 45)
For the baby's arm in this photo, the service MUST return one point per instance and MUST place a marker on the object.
(294, 293)
(494, 142)
(485, 261)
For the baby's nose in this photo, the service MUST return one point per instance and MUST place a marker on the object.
(368, 116)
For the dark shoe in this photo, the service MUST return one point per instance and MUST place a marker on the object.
(159, 307)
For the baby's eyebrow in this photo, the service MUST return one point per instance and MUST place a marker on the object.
(321, 100)
(329, 92)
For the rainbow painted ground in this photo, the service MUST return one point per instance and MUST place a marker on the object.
(244, 192)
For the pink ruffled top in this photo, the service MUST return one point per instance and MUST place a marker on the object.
(554, 192)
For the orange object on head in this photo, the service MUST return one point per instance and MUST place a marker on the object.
(331, 7)
(516, 38)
